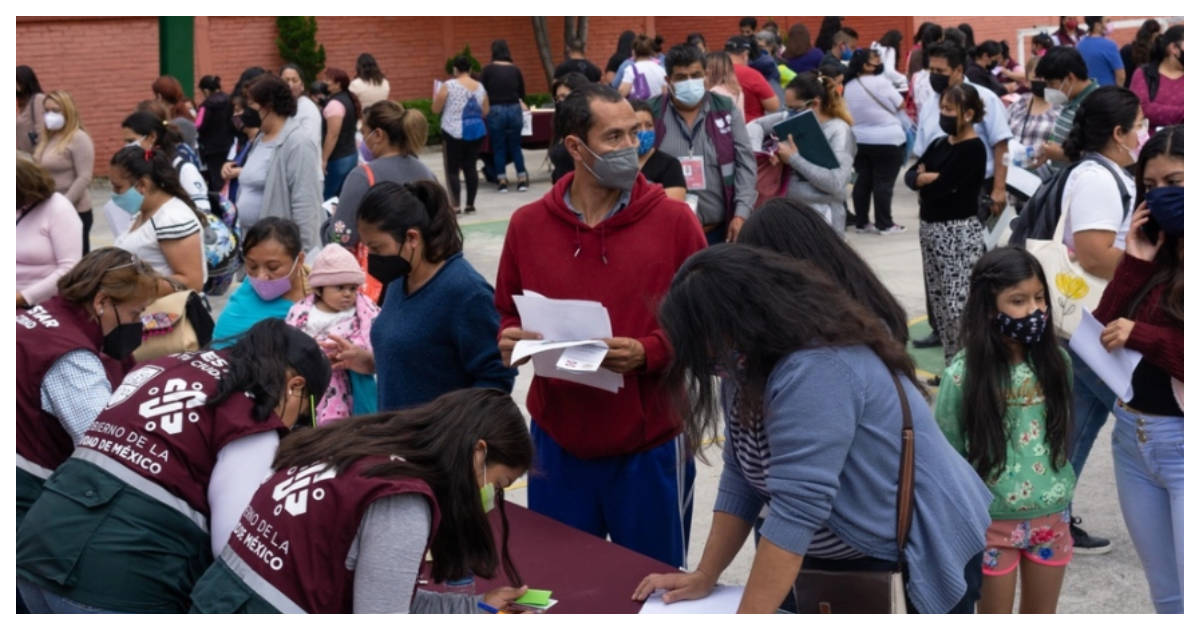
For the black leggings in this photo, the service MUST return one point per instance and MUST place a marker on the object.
(461, 155)
(86, 217)
(212, 177)
(877, 166)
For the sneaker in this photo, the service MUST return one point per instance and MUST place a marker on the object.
(1085, 544)
(502, 186)
(469, 210)
(931, 341)
(866, 229)
(522, 184)
(934, 382)
(895, 229)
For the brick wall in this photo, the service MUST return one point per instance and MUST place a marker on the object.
(108, 64)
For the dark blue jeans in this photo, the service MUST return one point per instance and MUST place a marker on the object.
(504, 130)
(335, 173)
(41, 601)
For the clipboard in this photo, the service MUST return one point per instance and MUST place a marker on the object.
(806, 131)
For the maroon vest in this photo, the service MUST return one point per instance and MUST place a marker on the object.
(44, 334)
(294, 536)
(158, 428)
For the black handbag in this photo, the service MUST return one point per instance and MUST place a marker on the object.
(867, 592)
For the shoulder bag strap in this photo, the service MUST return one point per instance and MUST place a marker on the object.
(370, 174)
(904, 496)
(876, 99)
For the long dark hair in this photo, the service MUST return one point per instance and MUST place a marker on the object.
(1143, 42)
(28, 82)
(166, 134)
(1109, 106)
(156, 164)
(794, 229)
(1158, 51)
(500, 51)
(829, 27)
(367, 69)
(1169, 142)
(421, 205)
(988, 382)
(258, 364)
(434, 443)
(734, 299)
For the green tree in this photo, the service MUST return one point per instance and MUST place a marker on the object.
(465, 52)
(297, 44)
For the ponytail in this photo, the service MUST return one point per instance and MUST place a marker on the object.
(809, 85)
(443, 237)
(166, 134)
(422, 206)
(156, 164)
(405, 128)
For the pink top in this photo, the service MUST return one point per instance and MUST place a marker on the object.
(49, 241)
(334, 108)
(1167, 107)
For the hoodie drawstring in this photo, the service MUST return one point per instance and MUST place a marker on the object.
(578, 241)
(603, 245)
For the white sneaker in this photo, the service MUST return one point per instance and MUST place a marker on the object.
(870, 229)
(895, 229)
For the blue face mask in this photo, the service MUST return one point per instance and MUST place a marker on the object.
(846, 54)
(689, 92)
(645, 141)
(130, 201)
(1166, 208)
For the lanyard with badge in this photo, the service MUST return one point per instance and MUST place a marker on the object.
(693, 165)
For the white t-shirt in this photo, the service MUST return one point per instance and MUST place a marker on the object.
(1092, 201)
(193, 183)
(873, 104)
(656, 77)
(172, 221)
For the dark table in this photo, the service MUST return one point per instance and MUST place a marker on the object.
(586, 574)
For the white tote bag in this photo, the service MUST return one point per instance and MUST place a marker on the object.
(1071, 288)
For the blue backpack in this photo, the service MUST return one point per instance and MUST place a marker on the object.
(473, 127)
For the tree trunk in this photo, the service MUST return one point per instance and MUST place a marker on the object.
(543, 45)
(581, 29)
(568, 34)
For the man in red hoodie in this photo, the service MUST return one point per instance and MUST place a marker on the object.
(613, 464)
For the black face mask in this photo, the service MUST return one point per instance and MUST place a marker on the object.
(1039, 89)
(385, 269)
(949, 124)
(992, 65)
(939, 82)
(121, 341)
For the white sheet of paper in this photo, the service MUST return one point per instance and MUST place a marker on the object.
(1114, 368)
(1000, 228)
(582, 358)
(437, 86)
(526, 123)
(564, 324)
(723, 600)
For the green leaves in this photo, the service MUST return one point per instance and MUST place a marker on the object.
(297, 43)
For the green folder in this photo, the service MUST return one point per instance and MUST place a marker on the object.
(806, 132)
(534, 597)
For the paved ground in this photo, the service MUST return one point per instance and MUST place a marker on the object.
(1112, 583)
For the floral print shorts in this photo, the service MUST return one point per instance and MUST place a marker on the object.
(1044, 540)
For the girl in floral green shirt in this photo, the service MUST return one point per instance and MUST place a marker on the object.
(1005, 405)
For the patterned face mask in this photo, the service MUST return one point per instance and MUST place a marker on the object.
(1027, 330)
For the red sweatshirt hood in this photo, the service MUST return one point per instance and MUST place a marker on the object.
(643, 198)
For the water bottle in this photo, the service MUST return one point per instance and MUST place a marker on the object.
(1018, 159)
(463, 586)
(1029, 156)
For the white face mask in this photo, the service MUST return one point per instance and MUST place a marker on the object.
(1057, 97)
(55, 121)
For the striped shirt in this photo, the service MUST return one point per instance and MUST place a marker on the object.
(1066, 118)
(753, 454)
(172, 221)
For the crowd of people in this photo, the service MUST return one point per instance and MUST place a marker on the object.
(352, 397)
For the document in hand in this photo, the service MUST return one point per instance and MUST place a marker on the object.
(806, 132)
(1114, 368)
(572, 346)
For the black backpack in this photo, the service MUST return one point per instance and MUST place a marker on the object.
(1039, 216)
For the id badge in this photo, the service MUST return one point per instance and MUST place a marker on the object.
(693, 172)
